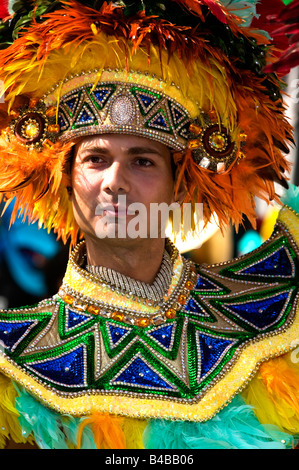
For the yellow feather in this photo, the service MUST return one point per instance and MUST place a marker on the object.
(133, 430)
(274, 394)
(9, 424)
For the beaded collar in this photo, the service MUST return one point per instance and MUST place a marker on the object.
(87, 291)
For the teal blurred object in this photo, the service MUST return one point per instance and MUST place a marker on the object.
(25, 249)
(291, 197)
(249, 242)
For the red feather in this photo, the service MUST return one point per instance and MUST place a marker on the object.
(4, 9)
(282, 23)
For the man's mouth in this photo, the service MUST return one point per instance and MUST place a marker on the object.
(112, 210)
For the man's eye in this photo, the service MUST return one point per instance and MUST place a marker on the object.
(143, 162)
(94, 159)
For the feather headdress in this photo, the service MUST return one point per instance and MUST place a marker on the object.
(194, 71)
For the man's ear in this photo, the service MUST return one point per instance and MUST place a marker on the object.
(67, 181)
(70, 192)
(67, 170)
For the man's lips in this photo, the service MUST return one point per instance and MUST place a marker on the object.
(117, 211)
(113, 210)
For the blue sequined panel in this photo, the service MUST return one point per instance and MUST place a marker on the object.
(177, 115)
(159, 122)
(100, 95)
(211, 351)
(72, 103)
(62, 121)
(12, 332)
(261, 313)
(138, 373)
(68, 369)
(85, 117)
(117, 333)
(147, 100)
(193, 307)
(75, 319)
(205, 284)
(278, 264)
(163, 335)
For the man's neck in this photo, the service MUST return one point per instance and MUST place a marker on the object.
(140, 260)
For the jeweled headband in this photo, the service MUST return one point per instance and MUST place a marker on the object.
(138, 106)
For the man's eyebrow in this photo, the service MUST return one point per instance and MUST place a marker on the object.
(142, 150)
(130, 150)
(95, 150)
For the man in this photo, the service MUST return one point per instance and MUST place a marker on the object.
(108, 112)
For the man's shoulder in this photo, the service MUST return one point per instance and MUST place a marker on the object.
(274, 262)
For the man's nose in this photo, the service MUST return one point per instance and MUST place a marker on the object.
(116, 179)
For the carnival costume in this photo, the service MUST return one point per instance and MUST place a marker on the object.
(206, 356)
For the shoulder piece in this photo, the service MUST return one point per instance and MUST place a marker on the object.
(91, 348)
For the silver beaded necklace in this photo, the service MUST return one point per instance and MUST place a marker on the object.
(127, 285)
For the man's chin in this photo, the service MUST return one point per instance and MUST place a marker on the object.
(118, 239)
(126, 230)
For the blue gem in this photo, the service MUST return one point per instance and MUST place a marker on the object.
(101, 95)
(277, 264)
(74, 318)
(12, 332)
(85, 117)
(138, 373)
(211, 351)
(117, 333)
(163, 334)
(67, 369)
(261, 313)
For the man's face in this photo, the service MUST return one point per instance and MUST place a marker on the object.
(110, 173)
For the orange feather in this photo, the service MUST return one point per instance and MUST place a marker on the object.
(107, 430)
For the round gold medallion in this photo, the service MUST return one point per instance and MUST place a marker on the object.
(211, 144)
(30, 129)
(218, 141)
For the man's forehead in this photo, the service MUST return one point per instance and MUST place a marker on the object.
(127, 143)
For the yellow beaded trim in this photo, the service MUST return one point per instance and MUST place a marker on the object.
(291, 220)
